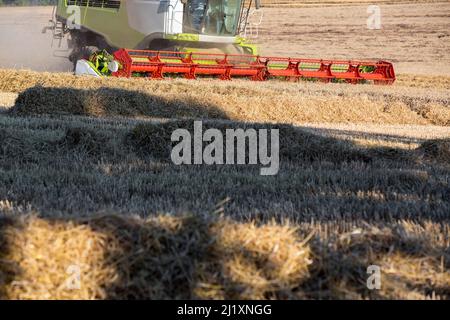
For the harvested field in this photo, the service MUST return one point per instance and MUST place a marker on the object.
(420, 81)
(7, 100)
(414, 36)
(185, 257)
(92, 207)
(86, 165)
(241, 101)
(85, 162)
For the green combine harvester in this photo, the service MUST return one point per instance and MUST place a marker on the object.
(191, 38)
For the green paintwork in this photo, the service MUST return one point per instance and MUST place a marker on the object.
(183, 37)
(248, 47)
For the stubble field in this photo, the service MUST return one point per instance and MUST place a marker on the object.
(86, 185)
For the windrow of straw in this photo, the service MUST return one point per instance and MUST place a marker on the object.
(7, 100)
(296, 145)
(42, 93)
(168, 257)
(158, 258)
(436, 149)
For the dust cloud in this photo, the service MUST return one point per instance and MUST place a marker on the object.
(24, 46)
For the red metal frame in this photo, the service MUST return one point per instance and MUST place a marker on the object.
(156, 64)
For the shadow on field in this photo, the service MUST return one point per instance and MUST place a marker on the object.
(108, 102)
(325, 183)
(187, 258)
(86, 168)
(191, 257)
(157, 260)
(370, 135)
(296, 144)
(165, 257)
(407, 262)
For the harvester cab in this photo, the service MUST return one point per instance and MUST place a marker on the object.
(171, 25)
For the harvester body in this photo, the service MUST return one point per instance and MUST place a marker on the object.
(156, 24)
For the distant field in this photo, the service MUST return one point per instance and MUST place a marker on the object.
(297, 3)
(414, 36)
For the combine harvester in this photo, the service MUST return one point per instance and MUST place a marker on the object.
(189, 38)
